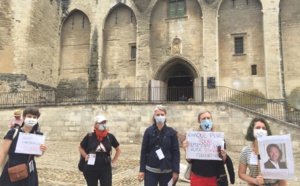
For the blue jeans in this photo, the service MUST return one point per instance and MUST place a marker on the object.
(152, 179)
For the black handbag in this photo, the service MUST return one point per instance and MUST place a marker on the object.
(82, 161)
(222, 179)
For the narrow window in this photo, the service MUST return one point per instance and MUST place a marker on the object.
(253, 70)
(133, 52)
(238, 45)
(176, 8)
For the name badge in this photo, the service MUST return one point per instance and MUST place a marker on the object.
(31, 167)
(92, 158)
(160, 154)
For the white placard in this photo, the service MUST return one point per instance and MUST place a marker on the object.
(170, 183)
(204, 145)
(285, 167)
(29, 143)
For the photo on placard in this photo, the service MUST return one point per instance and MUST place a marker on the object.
(277, 156)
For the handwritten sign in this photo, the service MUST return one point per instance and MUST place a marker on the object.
(277, 161)
(204, 145)
(29, 143)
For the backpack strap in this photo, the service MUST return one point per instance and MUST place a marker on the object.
(109, 143)
(15, 134)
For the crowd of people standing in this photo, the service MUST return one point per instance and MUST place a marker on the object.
(159, 154)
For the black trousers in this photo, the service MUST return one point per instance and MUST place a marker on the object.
(92, 177)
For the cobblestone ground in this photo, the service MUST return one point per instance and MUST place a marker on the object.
(58, 166)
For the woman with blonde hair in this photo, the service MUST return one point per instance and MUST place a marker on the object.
(208, 172)
(160, 155)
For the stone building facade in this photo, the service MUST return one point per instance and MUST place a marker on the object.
(248, 45)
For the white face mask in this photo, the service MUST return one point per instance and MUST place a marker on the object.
(30, 122)
(259, 133)
(102, 127)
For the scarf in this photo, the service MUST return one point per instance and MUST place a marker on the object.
(100, 134)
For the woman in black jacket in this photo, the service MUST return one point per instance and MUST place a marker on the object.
(160, 156)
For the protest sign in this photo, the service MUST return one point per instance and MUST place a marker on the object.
(277, 161)
(29, 143)
(204, 145)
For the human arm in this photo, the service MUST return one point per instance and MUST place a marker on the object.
(143, 156)
(4, 149)
(243, 176)
(282, 183)
(116, 156)
(83, 153)
(175, 157)
(144, 152)
(83, 145)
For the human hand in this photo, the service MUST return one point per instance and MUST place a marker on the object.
(43, 148)
(141, 176)
(259, 180)
(175, 177)
(222, 153)
(113, 165)
(87, 156)
(185, 144)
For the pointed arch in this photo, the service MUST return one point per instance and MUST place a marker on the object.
(74, 47)
(119, 43)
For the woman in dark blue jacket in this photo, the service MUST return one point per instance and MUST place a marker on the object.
(160, 155)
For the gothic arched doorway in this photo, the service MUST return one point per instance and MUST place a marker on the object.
(174, 81)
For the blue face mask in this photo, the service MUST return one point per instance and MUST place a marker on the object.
(206, 125)
(160, 119)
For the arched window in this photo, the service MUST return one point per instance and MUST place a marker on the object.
(176, 8)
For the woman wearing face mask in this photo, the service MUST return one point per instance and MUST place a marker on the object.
(96, 147)
(160, 156)
(206, 172)
(29, 125)
(257, 128)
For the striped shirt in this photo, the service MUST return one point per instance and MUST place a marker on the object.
(245, 158)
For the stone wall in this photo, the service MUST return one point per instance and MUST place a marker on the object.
(245, 20)
(35, 34)
(290, 26)
(6, 47)
(129, 121)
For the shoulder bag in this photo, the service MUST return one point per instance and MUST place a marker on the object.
(7, 156)
(18, 172)
(187, 172)
(81, 162)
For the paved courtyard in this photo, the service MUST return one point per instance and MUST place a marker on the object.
(58, 166)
